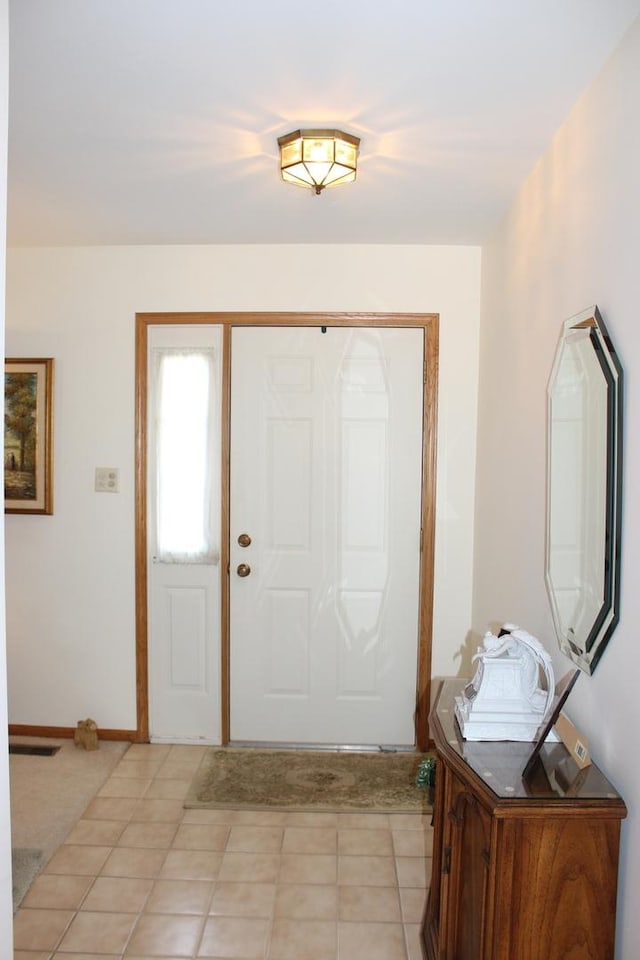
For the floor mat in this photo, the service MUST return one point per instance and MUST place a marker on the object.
(308, 780)
(25, 867)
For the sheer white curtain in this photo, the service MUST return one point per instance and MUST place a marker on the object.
(185, 400)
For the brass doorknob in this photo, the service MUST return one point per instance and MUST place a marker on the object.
(244, 539)
(243, 570)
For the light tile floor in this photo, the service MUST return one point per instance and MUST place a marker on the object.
(140, 877)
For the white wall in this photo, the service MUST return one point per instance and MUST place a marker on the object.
(70, 576)
(571, 239)
(6, 904)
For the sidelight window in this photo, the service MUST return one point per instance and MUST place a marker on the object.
(185, 456)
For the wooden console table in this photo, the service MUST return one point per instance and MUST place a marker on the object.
(522, 870)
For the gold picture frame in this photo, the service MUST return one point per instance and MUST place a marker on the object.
(28, 428)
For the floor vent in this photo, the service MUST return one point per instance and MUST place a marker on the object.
(32, 750)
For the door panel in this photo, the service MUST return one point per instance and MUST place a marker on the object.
(326, 447)
(184, 597)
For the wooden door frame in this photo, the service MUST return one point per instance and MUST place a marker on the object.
(228, 320)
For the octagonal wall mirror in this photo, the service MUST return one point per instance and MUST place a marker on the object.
(584, 473)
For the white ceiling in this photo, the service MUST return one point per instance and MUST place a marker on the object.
(155, 121)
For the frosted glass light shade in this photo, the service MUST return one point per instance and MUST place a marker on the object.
(318, 158)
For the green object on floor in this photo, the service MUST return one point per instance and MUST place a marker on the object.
(426, 775)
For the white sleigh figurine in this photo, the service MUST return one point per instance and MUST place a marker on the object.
(505, 701)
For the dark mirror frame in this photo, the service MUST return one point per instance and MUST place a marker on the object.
(584, 642)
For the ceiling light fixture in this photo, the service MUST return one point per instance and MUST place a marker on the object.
(318, 158)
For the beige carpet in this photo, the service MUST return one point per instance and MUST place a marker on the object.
(308, 780)
(48, 795)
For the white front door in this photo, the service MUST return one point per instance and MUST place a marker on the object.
(183, 532)
(326, 451)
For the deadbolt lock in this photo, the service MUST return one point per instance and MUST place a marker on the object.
(244, 539)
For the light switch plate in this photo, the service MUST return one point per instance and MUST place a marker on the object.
(107, 479)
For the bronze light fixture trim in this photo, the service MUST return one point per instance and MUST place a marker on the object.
(318, 158)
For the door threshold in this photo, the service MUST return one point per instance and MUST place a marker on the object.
(185, 741)
(343, 747)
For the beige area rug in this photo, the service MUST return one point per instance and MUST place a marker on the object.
(308, 780)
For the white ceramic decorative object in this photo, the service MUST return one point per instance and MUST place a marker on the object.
(505, 701)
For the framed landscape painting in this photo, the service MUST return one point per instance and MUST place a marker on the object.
(28, 424)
